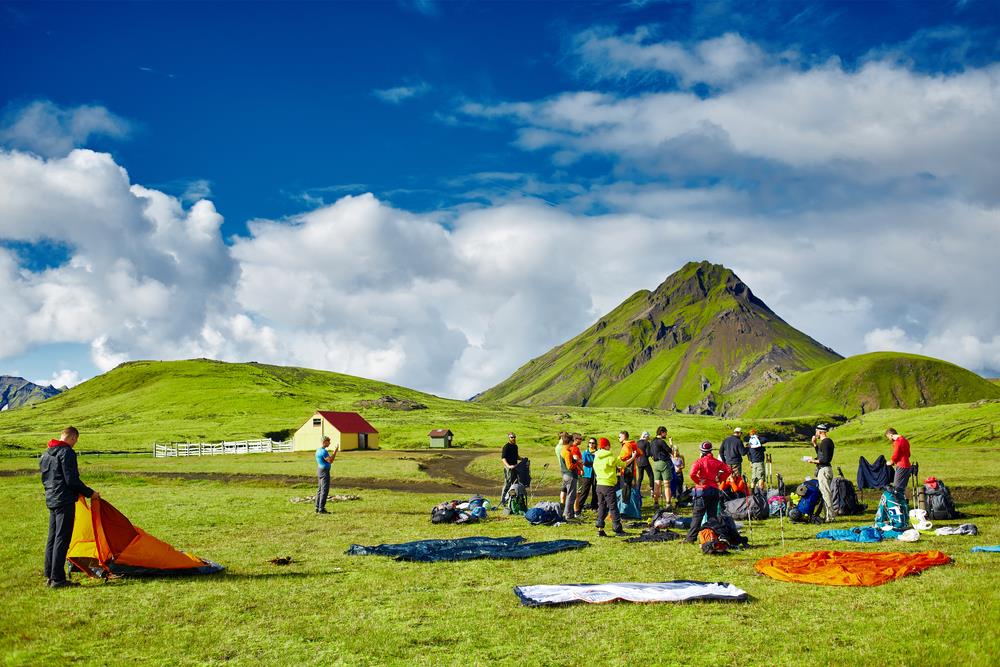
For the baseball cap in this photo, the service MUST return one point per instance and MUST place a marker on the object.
(645, 434)
(821, 427)
(511, 435)
(737, 430)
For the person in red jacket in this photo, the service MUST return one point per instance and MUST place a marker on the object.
(900, 459)
(706, 473)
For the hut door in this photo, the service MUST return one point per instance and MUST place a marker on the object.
(362, 441)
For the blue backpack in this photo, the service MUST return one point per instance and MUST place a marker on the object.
(633, 508)
(809, 500)
(542, 515)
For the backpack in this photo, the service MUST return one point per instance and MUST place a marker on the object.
(845, 499)
(893, 510)
(755, 505)
(543, 513)
(517, 498)
(938, 502)
(725, 530)
(633, 508)
(522, 472)
(809, 502)
(710, 543)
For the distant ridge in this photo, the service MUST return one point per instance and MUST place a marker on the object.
(702, 342)
(16, 392)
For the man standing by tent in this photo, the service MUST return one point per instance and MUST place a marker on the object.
(324, 457)
(61, 479)
(900, 459)
(606, 476)
(732, 450)
(509, 458)
(824, 468)
(706, 474)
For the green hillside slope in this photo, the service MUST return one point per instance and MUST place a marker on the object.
(142, 402)
(975, 423)
(874, 381)
(700, 343)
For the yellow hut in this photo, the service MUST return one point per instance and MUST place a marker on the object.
(349, 430)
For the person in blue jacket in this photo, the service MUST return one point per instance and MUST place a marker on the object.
(587, 485)
(324, 457)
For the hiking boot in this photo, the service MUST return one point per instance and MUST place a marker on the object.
(63, 583)
(321, 512)
(620, 533)
(601, 533)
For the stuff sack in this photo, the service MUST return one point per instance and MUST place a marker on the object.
(776, 505)
(937, 501)
(844, 497)
(631, 509)
(893, 511)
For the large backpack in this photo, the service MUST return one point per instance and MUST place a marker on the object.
(809, 503)
(522, 472)
(755, 505)
(631, 509)
(893, 510)
(845, 499)
(517, 498)
(938, 502)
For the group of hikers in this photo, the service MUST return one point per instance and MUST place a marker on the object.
(593, 477)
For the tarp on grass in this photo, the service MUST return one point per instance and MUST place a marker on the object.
(466, 548)
(848, 568)
(859, 534)
(106, 543)
(664, 591)
(987, 549)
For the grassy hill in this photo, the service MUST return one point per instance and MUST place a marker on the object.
(142, 402)
(700, 343)
(975, 423)
(875, 381)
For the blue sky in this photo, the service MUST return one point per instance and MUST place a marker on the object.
(492, 138)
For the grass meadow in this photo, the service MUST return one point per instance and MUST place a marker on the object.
(327, 608)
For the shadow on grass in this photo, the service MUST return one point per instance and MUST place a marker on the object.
(231, 576)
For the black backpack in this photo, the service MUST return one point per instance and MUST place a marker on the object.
(938, 503)
(844, 497)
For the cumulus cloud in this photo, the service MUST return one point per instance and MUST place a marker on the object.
(61, 378)
(49, 130)
(399, 94)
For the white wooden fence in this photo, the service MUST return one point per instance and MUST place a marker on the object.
(264, 446)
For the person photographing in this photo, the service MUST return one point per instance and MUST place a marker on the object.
(324, 457)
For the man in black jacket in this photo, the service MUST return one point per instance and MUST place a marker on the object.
(732, 450)
(61, 479)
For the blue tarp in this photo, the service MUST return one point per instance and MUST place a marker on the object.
(859, 534)
(466, 548)
(991, 549)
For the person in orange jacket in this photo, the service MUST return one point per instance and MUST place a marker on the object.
(628, 456)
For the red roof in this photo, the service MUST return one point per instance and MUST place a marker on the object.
(440, 433)
(347, 422)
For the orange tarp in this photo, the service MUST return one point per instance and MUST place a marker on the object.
(848, 568)
(103, 538)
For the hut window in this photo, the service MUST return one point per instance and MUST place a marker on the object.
(317, 421)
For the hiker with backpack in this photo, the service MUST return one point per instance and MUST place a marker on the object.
(706, 473)
(571, 479)
(588, 487)
(900, 458)
(663, 471)
(824, 468)
(627, 458)
(643, 460)
(606, 476)
(732, 450)
(509, 458)
(755, 454)
(564, 439)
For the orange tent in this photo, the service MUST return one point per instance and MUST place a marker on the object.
(106, 543)
(848, 568)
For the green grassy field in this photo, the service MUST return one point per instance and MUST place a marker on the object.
(329, 608)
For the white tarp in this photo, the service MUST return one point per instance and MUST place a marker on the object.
(664, 591)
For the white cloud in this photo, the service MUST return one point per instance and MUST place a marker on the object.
(61, 378)
(399, 94)
(50, 130)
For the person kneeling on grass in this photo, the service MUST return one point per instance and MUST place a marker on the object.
(324, 457)
(606, 476)
(705, 473)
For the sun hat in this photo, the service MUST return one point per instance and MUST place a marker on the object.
(706, 447)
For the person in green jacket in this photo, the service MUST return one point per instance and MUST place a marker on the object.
(606, 477)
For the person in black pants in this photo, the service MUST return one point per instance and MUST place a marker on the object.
(642, 462)
(705, 473)
(61, 479)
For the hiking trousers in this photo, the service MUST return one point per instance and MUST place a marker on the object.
(705, 503)
(757, 472)
(509, 475)
(607, 504)
(323, 477)
(645, 471)
(587, 488)
(60, 533)
(901, 478)
(825, 477)
(569, 486)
